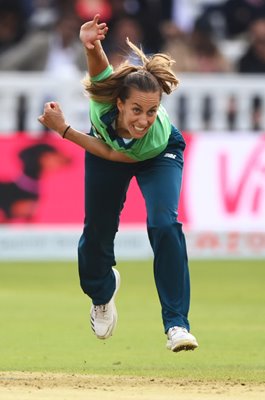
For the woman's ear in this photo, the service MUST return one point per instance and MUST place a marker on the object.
(119, 104)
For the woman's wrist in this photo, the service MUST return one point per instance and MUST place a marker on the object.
(96, 45)
(65, 131)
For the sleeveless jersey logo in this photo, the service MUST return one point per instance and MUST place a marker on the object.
(170, 155)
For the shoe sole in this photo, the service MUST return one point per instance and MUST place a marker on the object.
(115, 314)
(185, 345)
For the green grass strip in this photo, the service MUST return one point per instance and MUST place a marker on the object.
(44, 322)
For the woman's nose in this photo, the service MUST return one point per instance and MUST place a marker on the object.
(143, 121)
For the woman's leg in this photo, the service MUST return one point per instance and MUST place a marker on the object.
(106, 184)
(160, 183)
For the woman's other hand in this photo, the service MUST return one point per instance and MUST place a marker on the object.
(53, 118)
(92, 31)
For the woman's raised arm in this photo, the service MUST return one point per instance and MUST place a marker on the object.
(91, 34)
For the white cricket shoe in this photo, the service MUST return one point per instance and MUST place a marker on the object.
(180, 339)
(103, 318)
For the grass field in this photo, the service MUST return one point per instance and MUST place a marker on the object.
(44, 320)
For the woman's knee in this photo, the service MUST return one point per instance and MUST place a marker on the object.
(161, 217)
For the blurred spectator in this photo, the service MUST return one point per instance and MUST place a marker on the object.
(58, 50)
(13, 19)
(148, 14)
(177, 44)
(253, 60)
(207, 55)
(231, 17)
(116, 46)
(239, 15)
(44, 13)
(194, 52)
(181, 12)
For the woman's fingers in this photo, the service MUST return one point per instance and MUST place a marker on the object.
(96, 18)
(104, 30)
(51, 105)
(92, 31)
(48, 107)
(102, 26)
(53, 117)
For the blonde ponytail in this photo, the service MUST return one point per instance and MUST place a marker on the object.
(155, 74)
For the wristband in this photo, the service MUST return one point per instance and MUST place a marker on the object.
(65, 131)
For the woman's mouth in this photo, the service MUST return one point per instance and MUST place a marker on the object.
(138, 128)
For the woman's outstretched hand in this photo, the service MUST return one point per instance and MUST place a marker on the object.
(53, 118)
(92, 31)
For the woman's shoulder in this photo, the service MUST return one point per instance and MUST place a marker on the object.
(106, 73)
(100, 108)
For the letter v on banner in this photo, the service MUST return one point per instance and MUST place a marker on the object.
(224, 182)
(250, 185)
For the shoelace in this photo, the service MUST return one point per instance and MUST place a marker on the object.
(178, 329)
(100, 310)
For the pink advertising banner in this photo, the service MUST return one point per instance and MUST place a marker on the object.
(224, 185)
(41, 182)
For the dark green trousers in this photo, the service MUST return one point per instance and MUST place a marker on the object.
(106, 184)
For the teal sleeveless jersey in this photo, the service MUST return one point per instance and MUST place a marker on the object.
(103, 117)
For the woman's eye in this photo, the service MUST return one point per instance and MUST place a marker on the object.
(151, 113)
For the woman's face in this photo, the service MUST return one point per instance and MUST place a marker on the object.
(137, 113)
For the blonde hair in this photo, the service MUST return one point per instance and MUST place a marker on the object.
(155, 74)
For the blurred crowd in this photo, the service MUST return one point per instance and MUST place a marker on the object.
(203, 36)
